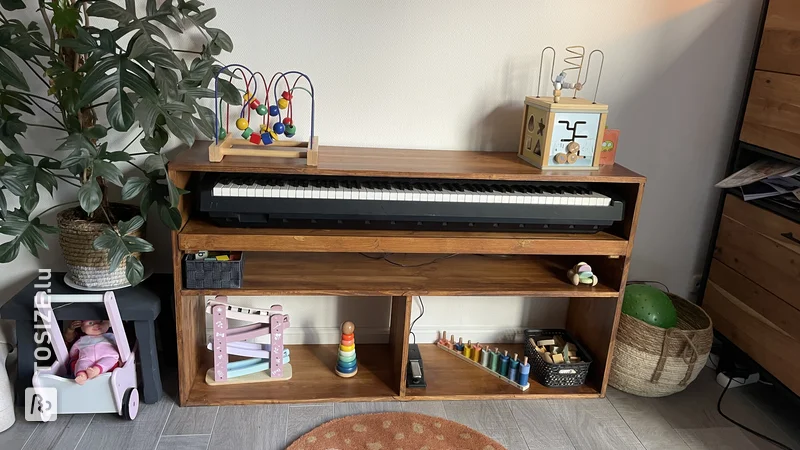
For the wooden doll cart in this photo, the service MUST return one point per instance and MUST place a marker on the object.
(110, 392)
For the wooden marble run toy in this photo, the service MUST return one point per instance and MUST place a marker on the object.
(266, 362)
(501, 365)
(266, 141)
(564, 132)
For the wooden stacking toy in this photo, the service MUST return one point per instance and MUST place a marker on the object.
(581, 273)
(346, 364)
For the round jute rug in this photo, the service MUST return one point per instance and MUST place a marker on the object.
(393, 431)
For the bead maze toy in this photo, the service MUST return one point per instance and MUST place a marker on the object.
(266, 362)
(346, 363)
(110, 392)
(564, 132)
(512, 371)
(268, 134)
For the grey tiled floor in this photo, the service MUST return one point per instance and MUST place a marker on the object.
(688, 420)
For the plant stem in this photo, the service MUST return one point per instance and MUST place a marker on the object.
(134, 165)
(30, 95)
(45, 126)
(49, 26)
(189, 51)
(54, 207)
(97, 105)
(49, 114)
(65, 179)
(141, 153)
(36, 73)
(134, 140)
(108, 219)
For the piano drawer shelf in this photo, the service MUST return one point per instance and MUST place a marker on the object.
(269, 273)
(199, 234)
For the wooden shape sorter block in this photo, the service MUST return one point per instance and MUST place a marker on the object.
(563, 135)
(277, 149)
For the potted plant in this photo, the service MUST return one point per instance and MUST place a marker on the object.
(85, 81)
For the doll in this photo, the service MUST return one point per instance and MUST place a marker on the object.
(95, 352)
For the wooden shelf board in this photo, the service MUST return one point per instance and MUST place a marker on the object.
(199, 234)
(449, 378)
(313, 380)
(268, 273)
(386, 162)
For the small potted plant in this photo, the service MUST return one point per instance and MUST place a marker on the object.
(96, 80)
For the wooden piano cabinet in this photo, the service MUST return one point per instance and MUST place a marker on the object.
(327, 262)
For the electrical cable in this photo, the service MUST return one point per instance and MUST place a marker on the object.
(421, 313)
(394, 263)
(719, 410)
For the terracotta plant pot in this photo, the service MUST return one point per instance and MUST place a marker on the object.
(86, 266)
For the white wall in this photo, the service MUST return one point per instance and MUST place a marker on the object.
(453, 74)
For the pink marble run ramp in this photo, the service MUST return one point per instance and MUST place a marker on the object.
(264, 362)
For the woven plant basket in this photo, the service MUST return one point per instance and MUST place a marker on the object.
(86, 266)
(655, 362)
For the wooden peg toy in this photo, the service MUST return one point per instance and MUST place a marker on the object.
(581, 273)
(347, 364)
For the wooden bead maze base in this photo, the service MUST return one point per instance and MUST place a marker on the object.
(478, 365)
(243, 147)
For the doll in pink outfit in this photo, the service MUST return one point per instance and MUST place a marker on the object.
(95, 352)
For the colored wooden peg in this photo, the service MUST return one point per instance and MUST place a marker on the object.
(255, 138)
(254, 104)
(266, 138)
(247, 132)
(241, 123)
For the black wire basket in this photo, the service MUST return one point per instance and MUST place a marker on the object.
(212, 274)
(556, 375)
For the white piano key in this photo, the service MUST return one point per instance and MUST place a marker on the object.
(217, 191)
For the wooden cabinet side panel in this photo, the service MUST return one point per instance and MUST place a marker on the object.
(780, 43)
(398, 339)
(772, 117)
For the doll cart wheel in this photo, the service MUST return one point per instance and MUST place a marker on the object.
(130, 404)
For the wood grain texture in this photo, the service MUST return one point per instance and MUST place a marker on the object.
(492, 418)
(773, 309)
(593, 322)
(593, 424)
(63, 434)
(780, 43)
(305, 418)
(384, 162)
(260, 427)
(441, 369)
(400, 319)
(355, 274)
(109, 431)
(196, 420)
(313, 380)
(642, 417)
(181, 180)
(764, 261)
(755, 335)
(539, 425)
(772, 117)
(202, 235)
(193, 442)
(772, 226)
(191, 325)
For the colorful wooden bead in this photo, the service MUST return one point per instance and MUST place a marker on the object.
(273, 110)
(278, 128)
(290, 130)
(222, 133)
(241, 123)
(247, 132)
(261, 110)
(287, 121)
(254, 103)
(247, 96)
(266, 138)
(273, 134)
(287, 95)
(264, 128)
(255, 138)
(283, 103)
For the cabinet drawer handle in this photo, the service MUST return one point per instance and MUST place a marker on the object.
(791, 237)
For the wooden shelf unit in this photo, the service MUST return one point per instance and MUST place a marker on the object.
(350, 263)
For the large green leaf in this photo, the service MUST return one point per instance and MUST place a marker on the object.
(3, 205)
(10, 73)
(134, 271)
(110, 10)
(176, 116)
(23, 179)
(27, 232)
(10, 99)
(10, 127)
(204, 121)
(229, 92)
(170, 216)
(122, 247)
(120, 111)
(133, 186)
(221, 39)
(115, 72)
(108, 171)
(11, 5)
(82, 43)
(90, 196)
(127, 227)
(167, 83)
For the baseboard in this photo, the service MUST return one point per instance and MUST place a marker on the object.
(377, 335)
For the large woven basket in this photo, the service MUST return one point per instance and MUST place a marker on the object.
(86, 266)
(654, 362)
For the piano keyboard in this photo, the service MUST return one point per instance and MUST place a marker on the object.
(404, 190)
